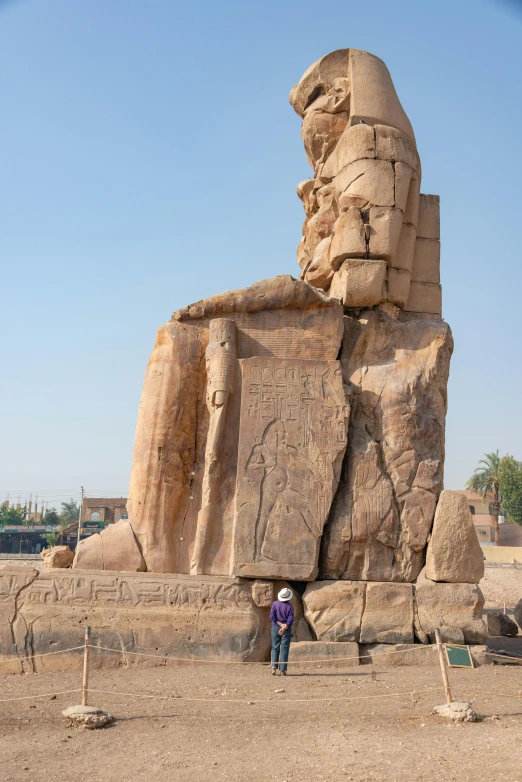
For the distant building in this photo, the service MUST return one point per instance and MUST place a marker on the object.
(509, 533)
(24, 539)
(103, 509)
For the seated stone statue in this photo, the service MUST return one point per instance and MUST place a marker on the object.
(295, 429)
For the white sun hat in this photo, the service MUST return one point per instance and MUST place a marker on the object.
(285, 595)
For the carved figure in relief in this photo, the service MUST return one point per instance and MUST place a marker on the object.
(275, 458)
(220, 358)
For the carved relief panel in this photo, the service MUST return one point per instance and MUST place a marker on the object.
(292, 439)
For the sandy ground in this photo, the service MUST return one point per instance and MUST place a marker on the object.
(228, 723)
(502, 585)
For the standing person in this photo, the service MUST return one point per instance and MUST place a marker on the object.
(282, 616)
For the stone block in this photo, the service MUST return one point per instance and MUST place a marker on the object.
(403, 258)
(320, 272)
(324, 654)
(411, 211)
(454, 553)
(372, 181)
(385, 230)
(348, 238)
(289, 409)
(518, 613)
(445, 605)
(115, 547)
(393, 145)
(334, 609)
(388, 614)
(398, 286)
(57, 556)
(203, 617)
(451, 635)
(426, 261)
(428, 224)
(424, 297)
(359, 283)
(403, 174)
(263, 593)
(500, 624)
(479, 655)
(397, 655)
(357, 142)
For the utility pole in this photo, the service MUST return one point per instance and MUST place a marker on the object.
(80, 518)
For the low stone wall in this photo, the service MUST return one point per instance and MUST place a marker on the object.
(177, 616)
(502, 554)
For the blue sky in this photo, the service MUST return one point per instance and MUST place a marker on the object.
(150, 159)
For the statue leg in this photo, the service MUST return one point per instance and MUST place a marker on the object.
(164, 453)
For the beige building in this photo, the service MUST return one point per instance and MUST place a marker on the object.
(509, 533)
(103, 509)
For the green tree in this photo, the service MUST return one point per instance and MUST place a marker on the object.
(51, 518)
(70, 512)
(486, 479)
(510, 475)
(52, 538)
(12, 517)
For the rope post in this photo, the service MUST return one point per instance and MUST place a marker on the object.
(443, 668)
(85, 683)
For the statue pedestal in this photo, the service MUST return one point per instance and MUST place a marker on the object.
(178, 616)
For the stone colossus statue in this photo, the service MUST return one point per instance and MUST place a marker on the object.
(295, 429)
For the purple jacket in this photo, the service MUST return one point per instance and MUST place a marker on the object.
(282, 612)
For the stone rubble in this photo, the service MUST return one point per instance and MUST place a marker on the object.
(88, 717)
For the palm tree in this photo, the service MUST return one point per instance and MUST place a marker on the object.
(70, 512)
(486, 479)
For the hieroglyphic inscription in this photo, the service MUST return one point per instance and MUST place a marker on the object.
(292, 430)
(124, 591)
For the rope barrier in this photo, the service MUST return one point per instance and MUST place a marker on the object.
(418, 648)
(272, 700)
(31, 697)
(498, 695)
(28, 657)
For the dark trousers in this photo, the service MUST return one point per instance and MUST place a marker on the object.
(280, 647)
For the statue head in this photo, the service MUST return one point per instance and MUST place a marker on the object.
(355, 132)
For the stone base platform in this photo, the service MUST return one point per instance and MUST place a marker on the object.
(180, 617)
(335, 654)
(189, 617)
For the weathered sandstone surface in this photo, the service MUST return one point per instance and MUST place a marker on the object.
(57, 556)
(175, 616)
(518, 613)
(368, 612)
(239, 442)
(500, 624)
(396, 374)
(455, 609)
(453, 552)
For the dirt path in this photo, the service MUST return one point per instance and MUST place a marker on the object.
(239, 728)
